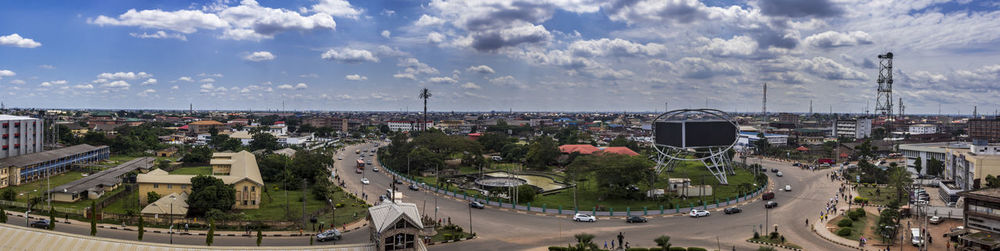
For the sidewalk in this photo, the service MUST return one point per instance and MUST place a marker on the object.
(350, 227)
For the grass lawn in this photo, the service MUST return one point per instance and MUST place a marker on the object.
(194, 170)
(877, 195)
(38, 187)
(273, 207)
(443, 234)
(776, 241)
(119, 159)
(122, 205)
(861, 227)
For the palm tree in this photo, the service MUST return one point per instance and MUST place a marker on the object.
(584, 241)
(424, 94)
(663, 241)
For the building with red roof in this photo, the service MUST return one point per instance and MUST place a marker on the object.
(582, 149)
(619, 150)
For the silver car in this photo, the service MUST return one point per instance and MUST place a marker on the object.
(328, 235)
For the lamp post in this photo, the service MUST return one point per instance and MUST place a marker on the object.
(172, 199)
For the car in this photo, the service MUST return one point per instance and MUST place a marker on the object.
(788, 188)
(382, 198)
(398, 181)
(767, 196)
(797, 164)
(770, 204)
(340, 158)
(40, 224)
(732, 210)
(414, 187)
(476, 204)
(358, 170)
(635, 219)
(699, 213)
(375, 169)
(774, 170)
(779, 174)
(365, 181)
(328, 235)
(584, 218)
(935, 220)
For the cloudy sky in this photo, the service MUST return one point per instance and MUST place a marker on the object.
(564, 55)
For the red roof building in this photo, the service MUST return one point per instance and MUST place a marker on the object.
(582, 149)
(475, 136)
(619, 150)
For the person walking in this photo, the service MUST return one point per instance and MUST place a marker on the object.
(807, 222)
(605, 244)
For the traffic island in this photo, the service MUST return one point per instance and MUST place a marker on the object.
(774, 239)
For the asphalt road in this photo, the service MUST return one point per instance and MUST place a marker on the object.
(503, 230)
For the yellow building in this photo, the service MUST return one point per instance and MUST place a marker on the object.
(236, 169)
(968, 167)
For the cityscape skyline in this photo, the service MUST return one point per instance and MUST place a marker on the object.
(574, 56)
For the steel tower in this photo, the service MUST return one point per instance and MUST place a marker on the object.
(883, 101)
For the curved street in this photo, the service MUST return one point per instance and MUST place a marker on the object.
(506, 230)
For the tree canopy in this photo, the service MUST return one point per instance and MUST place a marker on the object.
(209, 193)
(542, 152)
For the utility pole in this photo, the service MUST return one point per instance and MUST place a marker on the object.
(304, 183)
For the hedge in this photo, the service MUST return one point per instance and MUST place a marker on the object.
(845, 223)
(557, 248)
(696, 249)
(844, 231)
(860, 199)
(856, 214)
(677, 249)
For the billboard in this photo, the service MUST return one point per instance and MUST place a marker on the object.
(699, 133)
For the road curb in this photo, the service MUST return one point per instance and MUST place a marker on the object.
(452, 241)
(774, 245)
(833, 241)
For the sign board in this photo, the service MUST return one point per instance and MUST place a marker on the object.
(698, 133)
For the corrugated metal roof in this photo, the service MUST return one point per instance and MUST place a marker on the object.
(385, 215)
(39, 157)
(108, 177)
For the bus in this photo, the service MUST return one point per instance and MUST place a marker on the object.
(361, 164)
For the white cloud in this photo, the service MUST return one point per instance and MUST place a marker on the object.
(185, 79)
(435, 37)
(615, 47)
(18, 41)
(484, 69)
(737, 46)
(53, 83)
(355, 77)
(148, 82)
(159, 35)
(409, 76)
(700, 68)
(207, 80)
(337, 8)
(310, 75)
(207, 86)
(146, 93)
(175, 87)
(386, 33)
(120, 84)
(250, 21)
(298, 86)
(17, 82)
(186, 21)
(470, 85)
(426, 20)
(84, 86)
(6, 73)
(351, 56)
(413, 66)
(47, 67)
(442, 80)
(124, 75)
(828, 69)
(259, 56)
(832, 39)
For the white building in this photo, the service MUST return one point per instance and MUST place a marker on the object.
(406, 126)
(20, 135)
(853, 128)
(923, 129)
(926, 152)
(748, 139)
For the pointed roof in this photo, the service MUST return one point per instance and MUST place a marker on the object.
(802, 149)
(386, 215)
(582, 149)
(163, 205)
(619, 150)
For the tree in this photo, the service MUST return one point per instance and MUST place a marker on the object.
(260, 237)
(918, 166)
(311, 165)
(271, 166)
(211, 232)
(264, 141)
(513, 152)
(584, 241)
(152, 196)
(663, 241)
(622, 141)
(618, 175)
(762, 145)
(992, 182)
(52, 218)
(542, 152)
(866, 150)
(493, 142)
(163, 165)
(3, 216)
(899, 179)
(93, 218)
(935, 167)
(8, 194)
(525, 193)
(423, 159)
(142, 225)
(199, 154)
(209, 193)
(424, 94)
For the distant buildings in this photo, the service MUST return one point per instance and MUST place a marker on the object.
(406, 126)
(20, 135)
(237, 169)
(925, 152)
(203, 127)
(853, 128)
(919, 129)
(987, 129)
(749, 139)
(29, 167)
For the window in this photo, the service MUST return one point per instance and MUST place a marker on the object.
(156, 185)
(253, 202)
(253, 188)
(170, 186)
(184, 186)
(244, 202)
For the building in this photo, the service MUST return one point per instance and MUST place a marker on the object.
(785, 117)
(406, 126)
(968, 167)
(30, 167)
(925, 152)
(237, 169)
(981, 213)
(748, 139)
(919, 129)
(95, 185)
(987, 129)
(172, 205)
(203, 127)
(581, 149)
(853, 128)
(20, 135)
(395, 226)
(618, 150)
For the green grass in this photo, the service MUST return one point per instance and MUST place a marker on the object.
(195, 170)
(857, 230)
(776, 241)
(886, 194)
(37, 188)
(124, 204)
(273, 207)
(440, 236)
(119, 159)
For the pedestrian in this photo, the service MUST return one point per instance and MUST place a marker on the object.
(605, 244)
(300, 231)
(807, 221)
(612, 244)
(185, 227)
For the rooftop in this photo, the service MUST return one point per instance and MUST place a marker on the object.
(13, 117)
(107, 177)
(385, 215)
(39, 157)
(243, 165)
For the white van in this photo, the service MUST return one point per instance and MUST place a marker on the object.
(915, 237)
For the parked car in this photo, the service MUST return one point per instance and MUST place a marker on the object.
(340, 158)
(398, 181)
(635, 219)
(915, 237)
(699, 213)
(476, 204)
(732, 210)
(328, 235)
(40, 224)
(935, 220)
(584, 218)
(788, 188)
(365, 181)
(414, 187)
(797, 164)
(770, 204)
(767, 196)
(779, 174)
(774, 170)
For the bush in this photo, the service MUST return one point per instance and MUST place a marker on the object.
(774, 235)
(845, 223)
(856, 214)
(677, 249)
(696, 249)
(756, 235)
(339, 205)
(636, 249)
(556, 248)
(844, 232)
(447, 236)
(860, 199)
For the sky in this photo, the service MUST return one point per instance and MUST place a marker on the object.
(524, 55)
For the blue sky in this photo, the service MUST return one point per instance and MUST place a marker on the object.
(565, 55)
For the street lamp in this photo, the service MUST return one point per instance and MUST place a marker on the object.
(172, 199)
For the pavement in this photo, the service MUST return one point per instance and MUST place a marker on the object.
(506, 229)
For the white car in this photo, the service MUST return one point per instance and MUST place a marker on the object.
(779, 174)
(788, 188)
(584, 218)
(365, 181)
(340, 158)
(699, 213)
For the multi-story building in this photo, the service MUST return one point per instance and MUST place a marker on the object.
(788, 118)
(237, 169)
(202, 127)
(968, 167)
(853, 128)
(30, 167)
(923, 129)
(987, 129)
(406, 126)
(20, 135)
(925, 152)
(981, 213)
